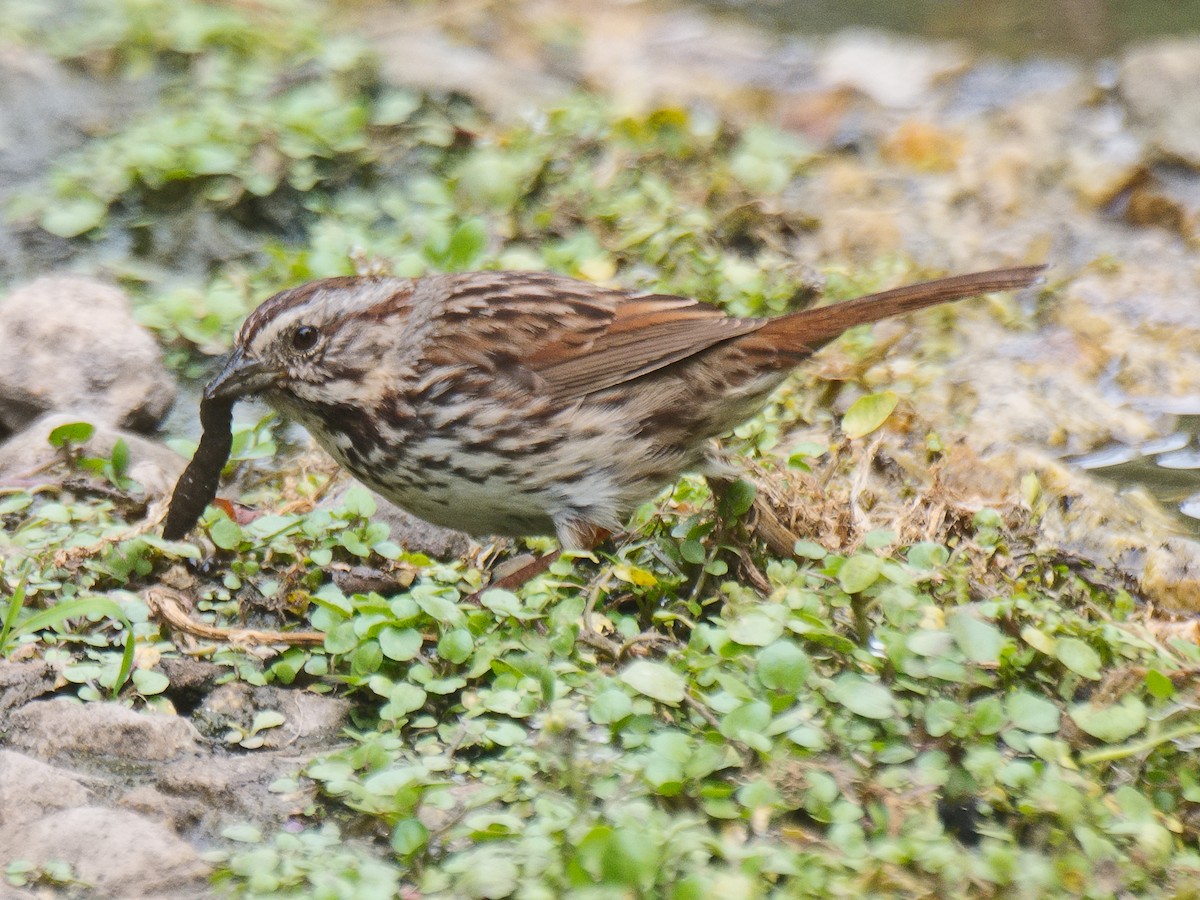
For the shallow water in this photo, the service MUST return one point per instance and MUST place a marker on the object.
(1167, 467)
(1087, 29)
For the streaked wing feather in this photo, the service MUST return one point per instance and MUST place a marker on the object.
(642, 340)
(580, 338)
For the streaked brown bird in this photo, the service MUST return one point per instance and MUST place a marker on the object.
(521, 403)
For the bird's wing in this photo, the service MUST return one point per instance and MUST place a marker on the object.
(576, 338)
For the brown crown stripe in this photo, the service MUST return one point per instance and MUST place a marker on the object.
(297, 296)
(393, 304)
(285, 300)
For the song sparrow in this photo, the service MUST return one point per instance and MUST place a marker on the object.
(521, 403)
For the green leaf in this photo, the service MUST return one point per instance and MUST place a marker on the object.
(466, 244)
(1159, 685)
(246, 834)
(388, 550)
(400, 644)
(456, 646)
(631, 858)
(783, 666)
(1079, 657)
(737, 499)
(1114, 723)
(809, 550)
(747, 721)
(868, 699)
(665, 775)
(878, 538)
(859, 572)
(366, 658)
(354, 543)
(610, 706)
(149, 682)
(930, 643)
(940, 716)
(15, 604)
(1038, 640)
(70, 218)
(358, 502)
(341, 639)
(403, 699)
(120, 457)
(987, 715)
(71, 433)
(755, 628)
(409, 836)
(980, 641)
(70, 609)
(927, 555)
(225, 533)
(867, 413)
(803, 452)
(14, 503)
(438, 608)
(810, 737)
(501, 602)
(77, 673)
(126, 665)
(987, 518)
(1029, 712)
(655, 680)
(267, 718)
(758, 793)
(395, 106)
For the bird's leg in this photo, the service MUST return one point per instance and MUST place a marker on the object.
(515, 579)
(583, 541)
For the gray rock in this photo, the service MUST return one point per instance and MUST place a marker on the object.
(21, 682)
(12, 893)
(63, 727)
(68, 342)
(190, 678)
(417, 535)
(152, 465)
(1171, 577)
(309, 719)
(180, 813)
(119, 853)
(414, 56)
(30, 789)
(894, 72)
(1158, 82)
(213, 790)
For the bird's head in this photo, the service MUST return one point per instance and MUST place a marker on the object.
(313, 341)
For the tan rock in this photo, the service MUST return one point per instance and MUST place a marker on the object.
(29, 453)
(68, 342)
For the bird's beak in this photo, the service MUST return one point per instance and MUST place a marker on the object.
(241, 376)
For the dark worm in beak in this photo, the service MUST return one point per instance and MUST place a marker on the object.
(197, 486)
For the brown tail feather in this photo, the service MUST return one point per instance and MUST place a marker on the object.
(810, 329)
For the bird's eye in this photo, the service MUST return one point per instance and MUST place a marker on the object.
(304, 338)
